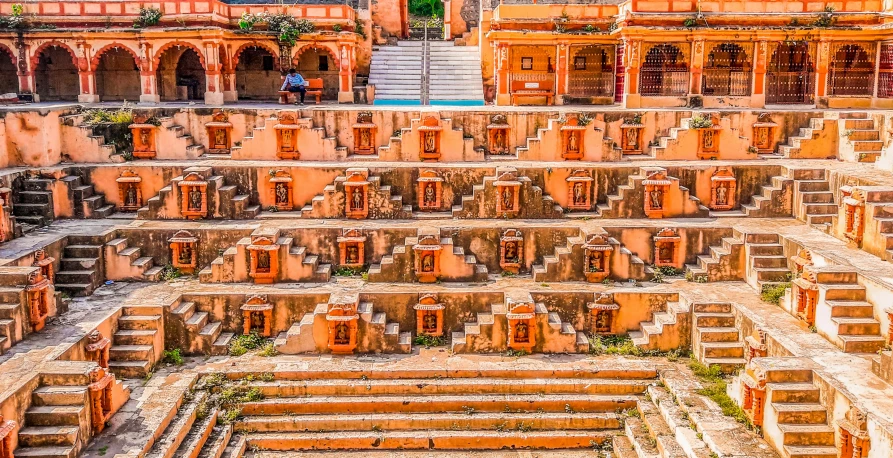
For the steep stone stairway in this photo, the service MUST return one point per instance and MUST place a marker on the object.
(380, 201)
(137, 342)
(716, 340)
(863, 139)
(205, 334)
(12, 318)
(82, 269)
(721, 264)
(813, 198)
(126, 263)
(651, 335)
(766, 262)
(455, 264)
(418, 411)
(33, 203)
(86, 202)
(52, 423)
(454, 75)
(396, 72)
(852, 326)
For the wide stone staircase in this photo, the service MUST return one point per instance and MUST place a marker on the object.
(396, 72)
(454, 74)
(423, 411)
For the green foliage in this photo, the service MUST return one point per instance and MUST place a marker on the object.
(623, 345)
(690, 22)
(636, 119)
(429, 341)
(700, 122)
(825, 19)
(667, 271)
(95, 116)
(426, 8)
(337, 28)
(343, 271)
(359, 28)
(559, 28)
(249, 20)
(584, 119)
(173, 357)
(244, 343)
(169, 272)
(715, 389)
(772, 293)
(286, 26)
(148, 17)
(16, 20)
(589, 28)
(268, 350)
(613, 27)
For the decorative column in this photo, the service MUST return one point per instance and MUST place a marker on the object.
(854, 439)
(562, 52)
(821, 69)
(761, 51)
(633, 49)
(38, 295)
(230, 92)
(501, 59)
(854, 211)
(97, 349)
(805, 293)
(25, 74)
(697, 65)
(213, 80)
(345, 73)
(148, 78)
(100, 390)
(86, 74)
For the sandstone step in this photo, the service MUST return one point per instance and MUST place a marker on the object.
(139, 322)
(44, 436)
(800, 413)
(430, 440)
(59, 395)
(437, 403)
(861, 344)
(46, 452)
(794, 451)
(135, 337)
(502, 421)
(719, 334)
(857, 326)
(793, 392)
(714, 320)
(53, 415)
(807, 434)
(130, 369)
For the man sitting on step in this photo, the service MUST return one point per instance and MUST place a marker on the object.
(294, 82)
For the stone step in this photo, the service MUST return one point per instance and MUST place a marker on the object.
(44, 436)
(442, 404)
(47, 452)
(793, 392)
(861, 344)
(59, 395)
(467, 386)
(794, 451)
(502, 421)
(130, 369)
(130, 352)
(800, 413)
(139, 322)
(807, 434)
(54, 415)
(428, 440)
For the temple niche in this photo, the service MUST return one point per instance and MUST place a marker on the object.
(507, 193)
(429, 139)
(429, 316)
(597, 265)
(100, 389)
(130, 193)
(854, 215)
(97, 349)
(356, 195)
(755, 346)
(39, 295)
(657, 187)
(193, 196)
(183, 251)
(708, 139)
(257, 316)
(364, 131)
(45, 262)
(287, 136)
(805, 293)
(342, 328)
(802, 260)
(723, 190)
(7, 427)
(602, 313)
(144, 144)
(579, 191)
(498, 135)
(427, 259)
(572, 140)
(522, 327)
(631, 132)
(430, 190)
(281, 190)
(754, 394)
(511, 248)
(263, 253)
(667, 248)
(764, 134)
(352, 248)
(219, 134)
(854, 439)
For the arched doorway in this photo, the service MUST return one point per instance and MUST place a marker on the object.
(791, 75)
(117, 76)
(852, 71)
(664, 72)
(319, 63)
(56, 76)
(9, 79)
(257, 75)
(727, 71)
(181, 75)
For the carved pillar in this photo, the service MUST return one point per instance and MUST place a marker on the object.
(854, 216)
(86, 74)
(761, 51)
(562, 52)
(45, 263)
(697, 65)
(97, 349)
(38, 295)
(597, 266)
(501, 59)
(148, 76)
(345, 73)
(213, 81)
(821, 87)
(805, 293)
(632, 54)
(23, 69)
(100, 390)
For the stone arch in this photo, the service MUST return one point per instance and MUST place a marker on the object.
(116, 73)
(727, 70)
(272, 50)
(258, 76)
(309, 63)
(664, 71)
(180, 71)
(852, 70)
(790, 76)
(55, 68)
(9, 78)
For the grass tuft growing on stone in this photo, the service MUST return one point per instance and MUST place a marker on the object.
(715, 389)
(623, 345)
(244, 343)
(429, 341)
(172, 357)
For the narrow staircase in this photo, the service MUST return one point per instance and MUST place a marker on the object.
(396, 73)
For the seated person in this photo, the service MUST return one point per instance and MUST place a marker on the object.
(294, 82)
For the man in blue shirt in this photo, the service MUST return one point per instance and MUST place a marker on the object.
(294, 82)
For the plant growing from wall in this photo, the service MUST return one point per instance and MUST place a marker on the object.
(359, 28)
(690, 22)
(825, 19)
(15, 20)
(700, 122)
(148, 17)
(249, 20)
(337, 28)
(113, 125)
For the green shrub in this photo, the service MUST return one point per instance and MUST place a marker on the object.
(173, 357)
(700, 122)
(242, 344)
(169, 272)
(773, 292)
(148, 17)
(426, 8)
(715, 389)
(429, 341)
(268, 350)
